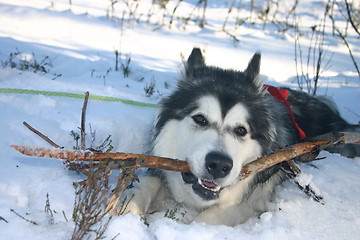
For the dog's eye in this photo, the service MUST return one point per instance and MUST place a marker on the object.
(240, 131)
(200, 120)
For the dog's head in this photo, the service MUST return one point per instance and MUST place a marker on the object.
(217, 121)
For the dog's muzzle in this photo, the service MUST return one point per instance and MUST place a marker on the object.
(218, 166)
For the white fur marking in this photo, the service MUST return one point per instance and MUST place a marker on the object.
(184, 139)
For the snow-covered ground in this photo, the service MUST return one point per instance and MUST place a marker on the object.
(76, 43)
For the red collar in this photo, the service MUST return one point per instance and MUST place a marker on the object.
(281, 95)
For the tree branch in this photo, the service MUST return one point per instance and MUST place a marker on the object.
(117, 159)
(350, 19)
(305, 152)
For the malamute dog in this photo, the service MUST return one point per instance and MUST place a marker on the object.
(218, 120)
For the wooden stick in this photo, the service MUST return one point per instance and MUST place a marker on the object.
(41, 135)
(285, 154)
(124, 160)
(119, 160)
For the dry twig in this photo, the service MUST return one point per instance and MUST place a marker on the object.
(89, 208)
(83, 117)
(3, 219)
(20, 216)
(41, 135)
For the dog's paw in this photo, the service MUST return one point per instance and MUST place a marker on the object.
(127, 207)
(208, 219)
(139, 199)
(133, 207)
(229, 216)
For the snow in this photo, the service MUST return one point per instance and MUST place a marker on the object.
(80, 41)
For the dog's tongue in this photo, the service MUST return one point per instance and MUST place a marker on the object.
(208, 184)
(206, 189)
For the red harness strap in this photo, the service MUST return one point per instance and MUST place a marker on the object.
(281, 95)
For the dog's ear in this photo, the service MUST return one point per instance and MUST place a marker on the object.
(195, 60)
(253, 69)
(254, 66)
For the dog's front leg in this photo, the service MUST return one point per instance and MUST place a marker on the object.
(141, 198)
(229, 215)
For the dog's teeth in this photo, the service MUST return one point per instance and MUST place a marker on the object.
(209, 185)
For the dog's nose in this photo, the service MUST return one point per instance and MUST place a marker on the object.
(218, 164)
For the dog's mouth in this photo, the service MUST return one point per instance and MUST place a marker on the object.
(207, 190)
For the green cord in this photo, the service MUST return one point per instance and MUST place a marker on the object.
(75, 95)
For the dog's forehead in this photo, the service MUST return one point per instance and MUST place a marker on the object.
(211, 107)
(238, 114)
